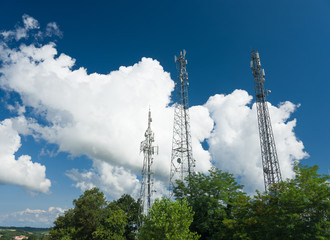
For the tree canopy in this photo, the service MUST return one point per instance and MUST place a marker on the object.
(94, 218)
(132, 210)
(293, 209)
(212, 197)
(168, 220)
(112, 225)
(207, 206)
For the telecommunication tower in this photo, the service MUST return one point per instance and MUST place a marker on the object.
(147, 181)
(270, 164)
(182, 162)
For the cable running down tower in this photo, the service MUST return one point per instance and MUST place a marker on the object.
(270, 164)
(182, 162)
(147, 181)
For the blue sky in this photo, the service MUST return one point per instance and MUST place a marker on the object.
(84, 129)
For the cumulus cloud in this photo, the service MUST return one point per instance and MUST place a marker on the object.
(31, 217)
(234, 142)
(52, 29)
(104, 116)
(29, 23)
(21, 171)
(113, 181)
(30, 28)
(201, 127)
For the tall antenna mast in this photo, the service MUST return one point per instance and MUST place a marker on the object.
(182, 162)
(270, 164)
(147, 181)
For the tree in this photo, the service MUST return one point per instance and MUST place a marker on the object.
(212, 198)
(294, 209)
(33, 237)
(91, 218)
(45, 237)
(64, 228)
(168, 220)
(132, 210)
(89, 210)
(112, 227)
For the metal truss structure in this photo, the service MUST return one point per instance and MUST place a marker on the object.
(270, 164)
(182, 162)
(147, 181)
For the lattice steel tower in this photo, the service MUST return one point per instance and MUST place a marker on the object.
(147, 181)
(271, 167)
(182, 162)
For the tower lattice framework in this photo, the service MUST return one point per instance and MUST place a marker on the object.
(270, 164)
(147, 181)
(182, 162)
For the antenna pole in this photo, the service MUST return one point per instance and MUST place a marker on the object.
(182, 162)
(147, 181)
(270, 164)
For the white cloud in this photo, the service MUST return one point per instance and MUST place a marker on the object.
(52, 29)
(30, 22)
(201, 127)
(30, 28)
(22, 171)
(31, 217)
(234, 144)
(104, 116)
(113, 181)
(21, 31)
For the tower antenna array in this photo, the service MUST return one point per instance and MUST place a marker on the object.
(147, 181)
(270, 164)
(182, 162)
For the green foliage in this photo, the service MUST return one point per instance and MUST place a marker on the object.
(132, 210)
(168, 220)
(212, 206)
(33, 237)
(93, 218)
(212, 198)
(88, 213)
(45, 237)
(112, 225)
(295, 209)
(7, 233)
(64, 226)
